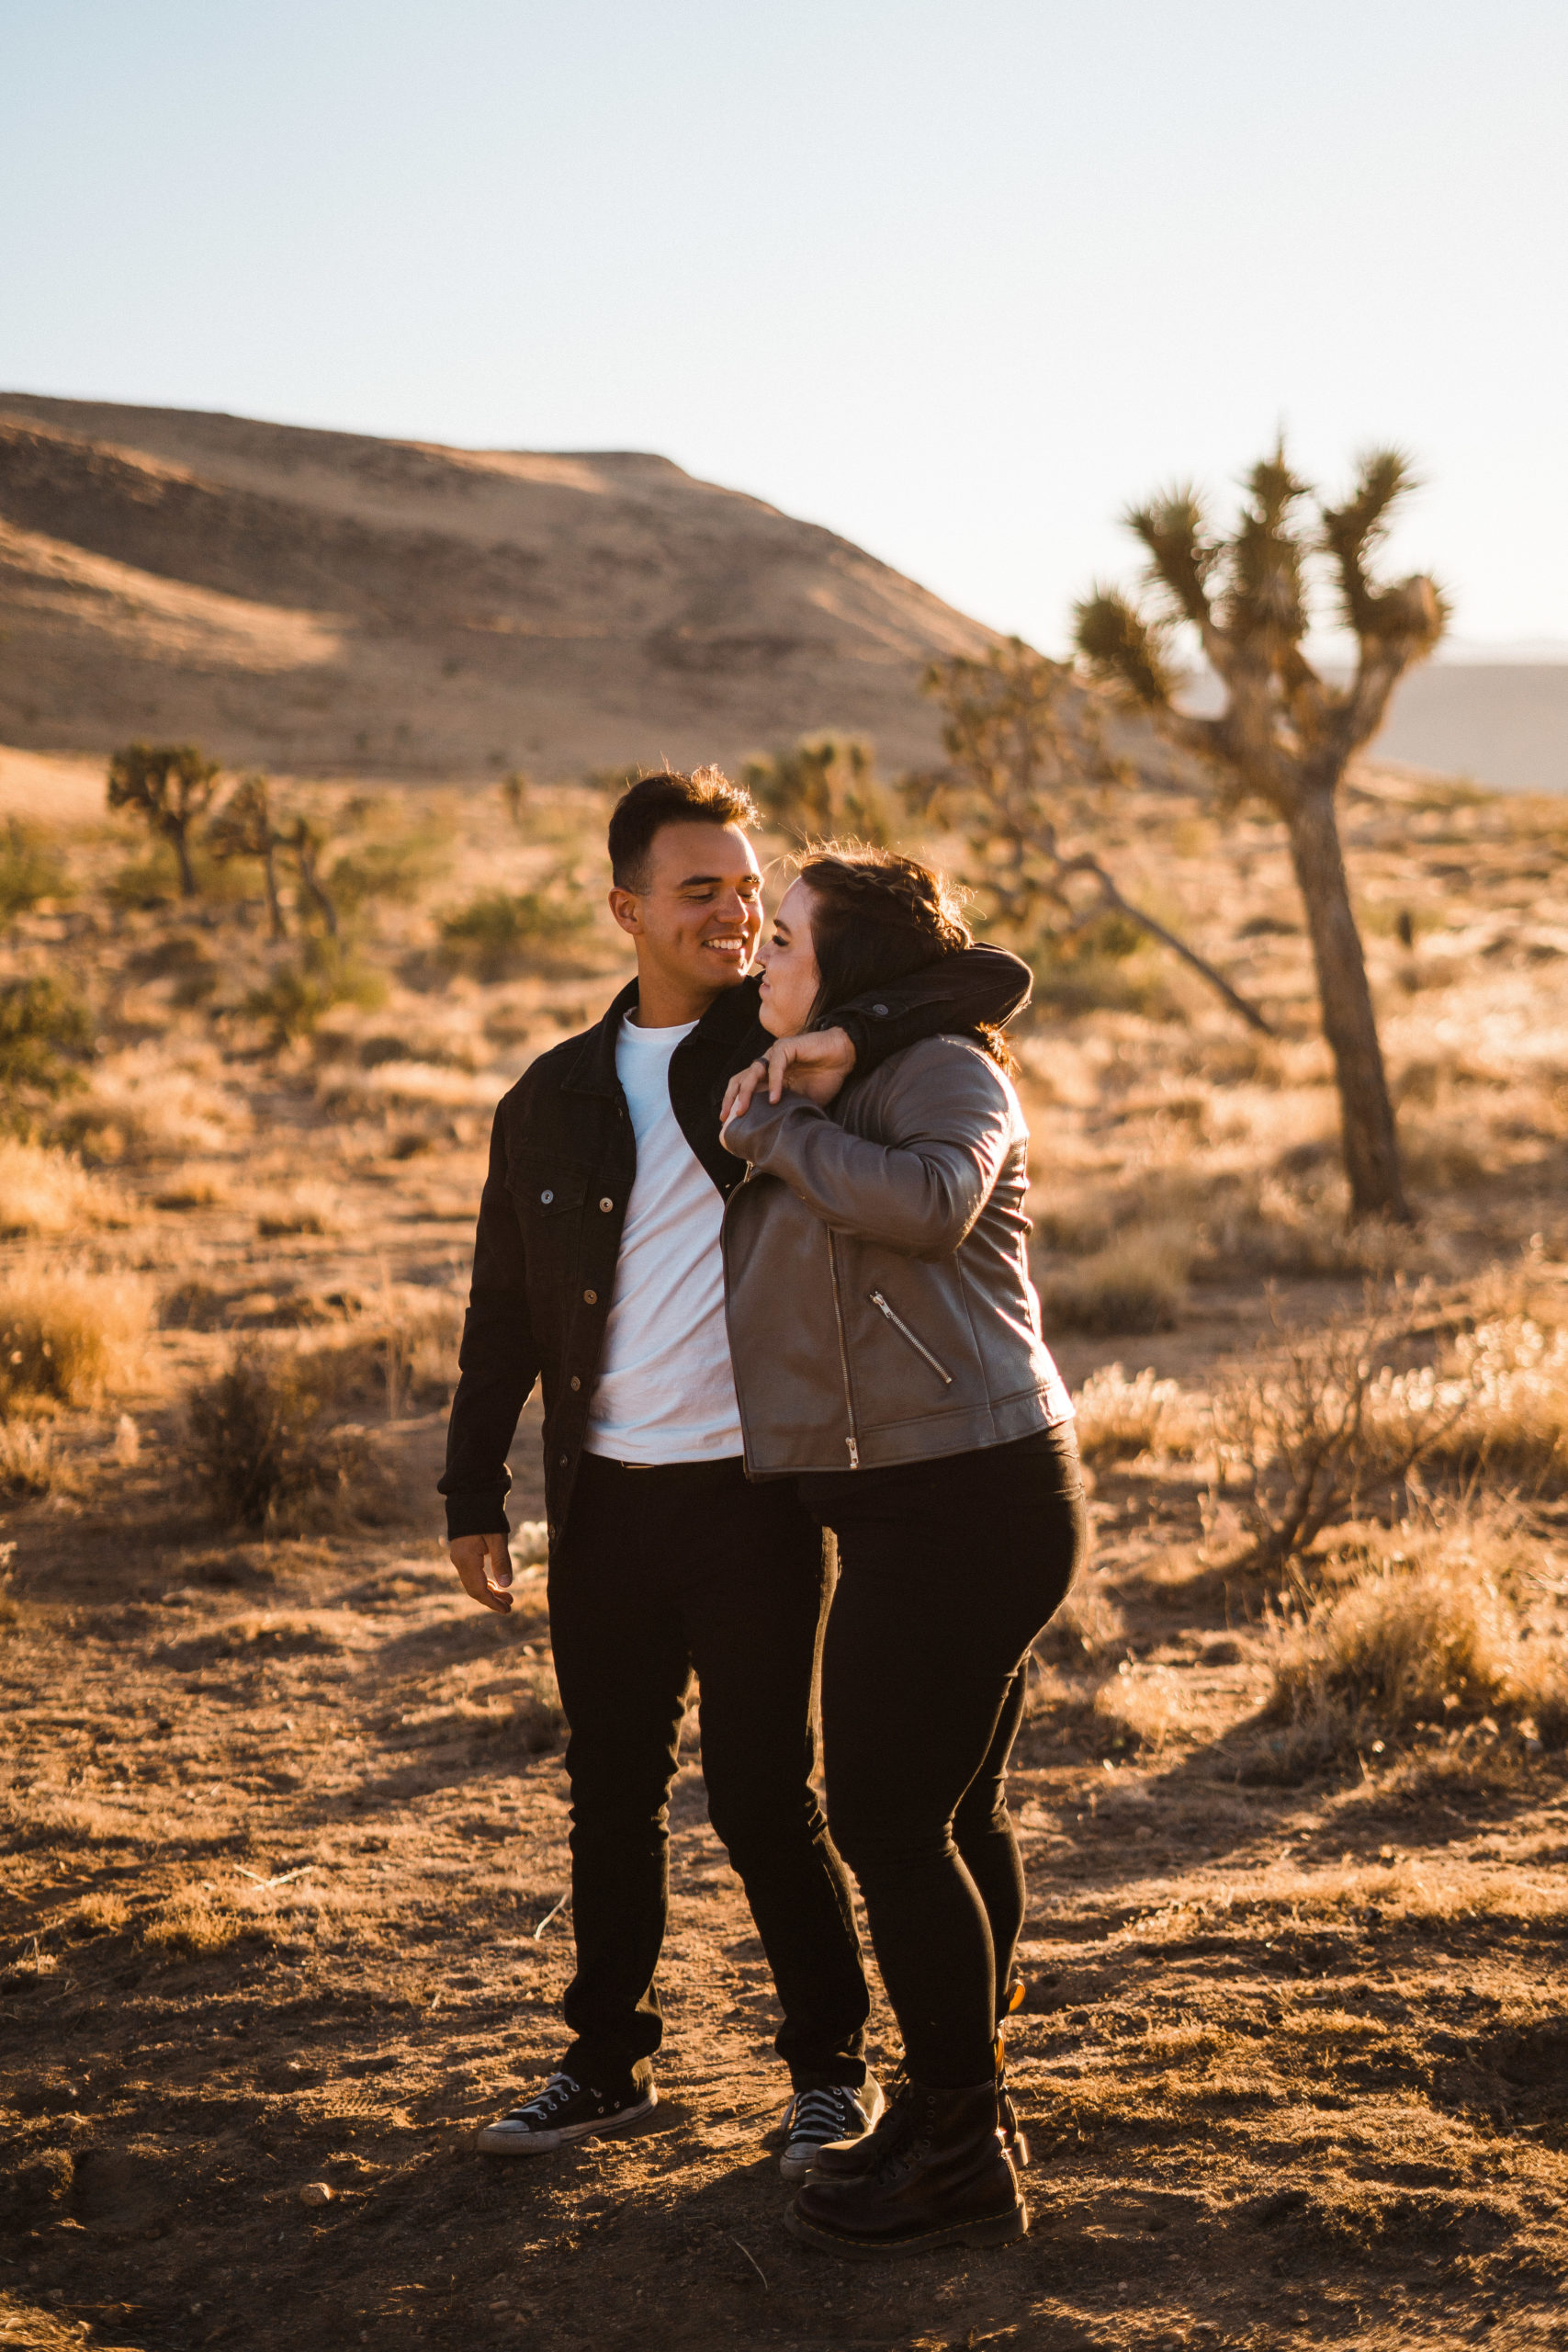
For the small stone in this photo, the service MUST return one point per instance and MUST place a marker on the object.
(316, 2192)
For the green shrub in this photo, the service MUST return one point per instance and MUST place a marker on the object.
(29, 870)
(300, 995)
(501, 932)
(45, 1031)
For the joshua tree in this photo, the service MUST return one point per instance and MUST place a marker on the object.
(244, 827)
(1285, 736)
(171, 784)
(304, 839)
(1026, 760)
(826, 786)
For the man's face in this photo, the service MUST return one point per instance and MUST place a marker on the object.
(698, 917)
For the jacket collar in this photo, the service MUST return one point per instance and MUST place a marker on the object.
(730, 1016)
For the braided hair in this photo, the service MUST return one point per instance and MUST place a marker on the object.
(876, 917)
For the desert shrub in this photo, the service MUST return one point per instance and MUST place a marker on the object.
(49, 1192)
(31, 870)
(1138, 1708)
(501, 932)
(1088, 1628)
(401, 1352)
(194, 1188)
(825, 787)
(142, 1105)
(301, 992)
(185, 960)
(392, 871)
(1105, 965)
(1260, 1223)
(261, 1450)
(1118, 1419)
(309, 1208)
(30, 1461)
(69, 1336)
(45, 1034)
(1512, 1373)
(1136, 1284)
(1429, 1637)
(1325, 1422)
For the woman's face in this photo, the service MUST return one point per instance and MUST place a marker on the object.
(791, 980)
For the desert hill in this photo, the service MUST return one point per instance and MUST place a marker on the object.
(316, 600)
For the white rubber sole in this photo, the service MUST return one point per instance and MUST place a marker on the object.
(504, 2140)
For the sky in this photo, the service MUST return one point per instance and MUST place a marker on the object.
(960, 281)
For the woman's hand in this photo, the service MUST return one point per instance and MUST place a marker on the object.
(814, 1065)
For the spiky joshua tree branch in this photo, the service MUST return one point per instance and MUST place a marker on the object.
(1286, 735)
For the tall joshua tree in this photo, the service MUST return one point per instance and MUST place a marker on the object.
(245, 827)
(1286, 735)
(171, 784)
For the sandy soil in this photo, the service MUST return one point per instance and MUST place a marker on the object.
(285, 1816)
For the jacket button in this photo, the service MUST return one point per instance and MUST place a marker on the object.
(591, 1298)
(575, 1382)
(880, 1010)
(607, 1204)
(546, 1198)
(565, 1458)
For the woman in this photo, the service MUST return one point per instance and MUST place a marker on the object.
(887, 1353)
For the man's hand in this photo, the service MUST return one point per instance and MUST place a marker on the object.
(814, 1065)
(484, 1568)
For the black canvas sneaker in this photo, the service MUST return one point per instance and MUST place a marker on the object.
(829, 2111)
(565, 2110)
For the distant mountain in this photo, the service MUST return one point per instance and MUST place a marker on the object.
(330, 601)
(1501, 722)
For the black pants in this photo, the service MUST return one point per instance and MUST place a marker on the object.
(947, 1570)
(659, 1572)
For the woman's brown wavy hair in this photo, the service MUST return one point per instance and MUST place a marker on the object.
(878, 916)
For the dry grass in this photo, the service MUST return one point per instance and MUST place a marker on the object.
(49, 1192)
(30, 1462)
(1326, 1423)
(1120, 1419)
(146, 1103)
(69, 1336)
(263, 1453)
(1135, 1284)
(309, 1208)
(401, 1349)
(1430, 1636)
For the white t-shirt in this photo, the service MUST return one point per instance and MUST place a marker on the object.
(665, 1392)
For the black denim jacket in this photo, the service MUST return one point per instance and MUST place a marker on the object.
(562, 1162)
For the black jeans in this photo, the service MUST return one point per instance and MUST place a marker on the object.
(947, 1570)
(659, 1572)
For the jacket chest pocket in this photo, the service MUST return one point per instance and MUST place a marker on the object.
(547, 1192)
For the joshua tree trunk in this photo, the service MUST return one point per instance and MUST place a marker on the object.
(1366, 1114)
(187, 871)
(280, 929)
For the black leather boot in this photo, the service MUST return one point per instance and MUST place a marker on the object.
(939, 2176)
(841, 2159)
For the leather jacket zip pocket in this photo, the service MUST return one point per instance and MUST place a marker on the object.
(919, 1345)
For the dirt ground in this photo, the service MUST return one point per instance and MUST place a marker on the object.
(286, 1815)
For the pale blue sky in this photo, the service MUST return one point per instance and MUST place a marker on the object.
(958, 280)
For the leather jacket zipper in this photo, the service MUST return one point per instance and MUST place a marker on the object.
(843, 1352)
(919, 1345)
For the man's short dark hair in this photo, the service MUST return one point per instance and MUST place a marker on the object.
(706, 797)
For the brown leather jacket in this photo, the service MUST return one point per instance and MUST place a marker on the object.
(876, 1269)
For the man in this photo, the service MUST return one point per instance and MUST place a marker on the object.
(597, 1264)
